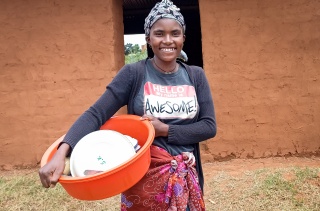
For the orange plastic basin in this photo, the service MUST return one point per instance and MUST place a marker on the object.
(118, 179)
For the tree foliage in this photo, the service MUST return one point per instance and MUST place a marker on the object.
(133, 53)
(129, 48)
(134, 57)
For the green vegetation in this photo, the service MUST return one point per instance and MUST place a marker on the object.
(284, 189)
(23, 191)
(281, 189)
(133, 53)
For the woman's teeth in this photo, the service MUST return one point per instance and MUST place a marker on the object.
(167, 49)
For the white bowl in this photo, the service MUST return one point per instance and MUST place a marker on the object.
(100, 150)
(134, 142)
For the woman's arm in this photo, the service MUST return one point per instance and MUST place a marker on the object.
(115, 96)
(205, 127)
(50, 173)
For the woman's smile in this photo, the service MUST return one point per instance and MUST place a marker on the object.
(168, 49)
(166, 39)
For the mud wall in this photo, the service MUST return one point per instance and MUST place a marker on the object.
(56, 58)
(262, 59)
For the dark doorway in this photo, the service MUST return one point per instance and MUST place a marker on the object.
(135, 12)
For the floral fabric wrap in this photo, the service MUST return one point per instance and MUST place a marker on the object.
(171, 183)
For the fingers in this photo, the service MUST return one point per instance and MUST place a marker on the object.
(50, 173)
(146, 117)
(55, 178)
(49, 179)
(45, 177)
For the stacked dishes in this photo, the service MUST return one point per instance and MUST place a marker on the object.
(101, 151)
(118, 179)
(134, 142)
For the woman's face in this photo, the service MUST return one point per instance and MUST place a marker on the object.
(166, 39)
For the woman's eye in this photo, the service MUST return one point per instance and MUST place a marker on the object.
(176, 34)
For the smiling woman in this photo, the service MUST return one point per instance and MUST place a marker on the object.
(175, 98)
(166, 39)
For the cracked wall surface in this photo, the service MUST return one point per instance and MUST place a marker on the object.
(56, 58)
(261, 59)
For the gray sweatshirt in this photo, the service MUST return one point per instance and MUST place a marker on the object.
(123, 90)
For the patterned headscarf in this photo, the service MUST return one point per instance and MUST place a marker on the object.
(163, 9)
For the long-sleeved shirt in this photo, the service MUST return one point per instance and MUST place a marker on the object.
(123, 90)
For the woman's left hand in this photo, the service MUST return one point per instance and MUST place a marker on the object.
(161, 129)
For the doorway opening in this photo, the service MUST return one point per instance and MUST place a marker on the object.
(135, 12)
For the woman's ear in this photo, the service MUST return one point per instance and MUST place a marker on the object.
(184, 37)
(148, 40)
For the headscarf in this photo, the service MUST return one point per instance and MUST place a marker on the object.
(163, 9)
(183, 56)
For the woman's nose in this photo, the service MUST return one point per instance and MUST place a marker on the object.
(168, 39)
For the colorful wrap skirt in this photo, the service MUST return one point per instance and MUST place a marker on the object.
(171, 183)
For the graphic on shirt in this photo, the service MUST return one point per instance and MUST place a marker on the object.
(170, 101)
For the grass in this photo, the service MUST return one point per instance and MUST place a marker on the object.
(282, 189)
(24, 192)
(131, 58)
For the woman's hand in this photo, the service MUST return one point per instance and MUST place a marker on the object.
(51, 172)
(161, 129)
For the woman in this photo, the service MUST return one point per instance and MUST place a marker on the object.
(175, 98)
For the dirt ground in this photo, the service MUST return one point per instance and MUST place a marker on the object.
(238, 166)
(232, 167)
(235, 169)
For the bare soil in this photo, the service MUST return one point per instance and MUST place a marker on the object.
(228, 186)
(238, 166)
(232, 167)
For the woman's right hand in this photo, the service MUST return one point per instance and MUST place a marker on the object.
(51, 172)
(160, 128)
